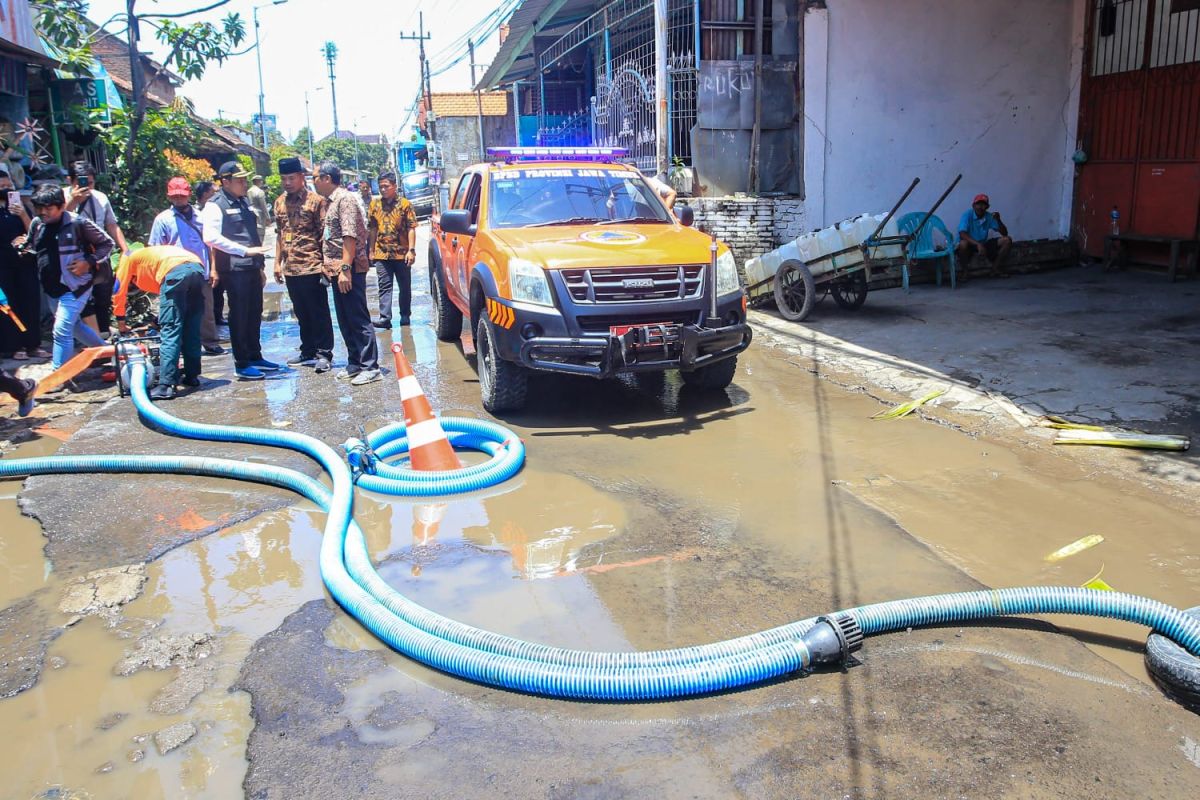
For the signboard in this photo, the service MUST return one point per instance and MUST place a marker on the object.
(258, 121)
(89, 93)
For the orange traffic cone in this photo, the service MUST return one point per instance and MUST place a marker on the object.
(428, 447)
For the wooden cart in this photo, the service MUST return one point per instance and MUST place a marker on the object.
(796, 289)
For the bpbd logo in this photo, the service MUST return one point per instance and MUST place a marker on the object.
(612, 237)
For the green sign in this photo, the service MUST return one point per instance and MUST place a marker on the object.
(86, 93)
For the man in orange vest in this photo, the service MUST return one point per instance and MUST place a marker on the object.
(178, 276)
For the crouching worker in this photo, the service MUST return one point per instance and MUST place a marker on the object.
(21, 390)
(178, 276)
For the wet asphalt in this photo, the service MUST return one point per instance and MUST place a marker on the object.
(648, 516)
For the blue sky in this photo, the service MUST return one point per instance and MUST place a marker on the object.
(377, 73)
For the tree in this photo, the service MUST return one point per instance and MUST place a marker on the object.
(192, 47)
(372, 158)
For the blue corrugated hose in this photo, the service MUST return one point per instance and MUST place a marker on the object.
(503, 661)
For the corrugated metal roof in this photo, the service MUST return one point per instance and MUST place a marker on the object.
(514, 60)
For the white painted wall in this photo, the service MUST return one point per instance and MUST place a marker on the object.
(897, 89)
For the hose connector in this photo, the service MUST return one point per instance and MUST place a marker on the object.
(833, 639)
(360, 457)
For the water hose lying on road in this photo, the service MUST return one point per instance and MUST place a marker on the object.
(497, 660)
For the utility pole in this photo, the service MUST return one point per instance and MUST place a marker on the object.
(420, 37)
(660, 87)
(331, 53)
(478, 100)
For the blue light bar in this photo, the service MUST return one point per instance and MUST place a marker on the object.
(558, 153)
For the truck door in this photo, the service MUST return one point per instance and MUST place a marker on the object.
(469, 190)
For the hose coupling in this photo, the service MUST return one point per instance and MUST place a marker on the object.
(833, 639)
(360, 457)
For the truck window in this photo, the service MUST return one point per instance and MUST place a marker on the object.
(460, 193)
(472, 200)
(537, 196)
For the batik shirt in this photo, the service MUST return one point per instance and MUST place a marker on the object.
(344, 217)
(300, 225)
(391, 224)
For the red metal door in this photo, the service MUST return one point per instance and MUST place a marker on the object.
(1139, 122)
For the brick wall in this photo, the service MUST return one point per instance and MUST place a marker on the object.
(750, 226)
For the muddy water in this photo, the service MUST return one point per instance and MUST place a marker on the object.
(636, 493)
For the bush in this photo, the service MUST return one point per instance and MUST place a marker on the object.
(193, 169)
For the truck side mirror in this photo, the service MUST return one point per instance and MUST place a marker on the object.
(686, 215)
(457, 221)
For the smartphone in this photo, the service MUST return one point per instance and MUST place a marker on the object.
(14, 199)
(84, 181)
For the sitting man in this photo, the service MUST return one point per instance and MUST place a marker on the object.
(983, 232)
(179, 275)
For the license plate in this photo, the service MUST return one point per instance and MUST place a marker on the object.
(653, 334)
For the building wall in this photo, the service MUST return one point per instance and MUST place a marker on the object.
(750, 226)
(458, 138)
(897, 89)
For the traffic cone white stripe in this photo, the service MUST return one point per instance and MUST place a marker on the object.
(423, 433)
(410, 387)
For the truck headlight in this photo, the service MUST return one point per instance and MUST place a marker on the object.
(528, 283)
(727, 275)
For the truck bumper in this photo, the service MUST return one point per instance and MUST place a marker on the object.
(605, 356)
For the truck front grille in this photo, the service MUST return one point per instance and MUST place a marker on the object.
(633, 284)
(598, 323)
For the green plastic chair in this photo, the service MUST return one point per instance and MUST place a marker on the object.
(921, 248)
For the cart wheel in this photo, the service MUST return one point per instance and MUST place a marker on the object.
(795, 292)
(850, 292)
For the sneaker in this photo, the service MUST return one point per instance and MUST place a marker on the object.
(265, 366)
(20, 355)
(365, 377)
(214, 350)
(405, 321)
(161, 392)
(383, 324)
(192, 382)
(344, 375)
(249, 374)
(322, 365)
(302, 361)
(26, 402)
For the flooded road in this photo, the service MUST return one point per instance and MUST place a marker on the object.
(648, 515)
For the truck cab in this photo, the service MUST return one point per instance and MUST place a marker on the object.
(566, 260)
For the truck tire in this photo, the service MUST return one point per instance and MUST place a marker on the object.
(502, 384)
(447, 319)
(714, 376)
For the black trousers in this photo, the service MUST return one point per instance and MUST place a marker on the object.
(244, 290)
(310, 303)
(387, 272)
(218, 302)
(102, 302)
(13, 385)
(20, 282)
(354, 321)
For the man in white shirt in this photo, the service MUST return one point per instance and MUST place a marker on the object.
(231, 230)
(84, 199)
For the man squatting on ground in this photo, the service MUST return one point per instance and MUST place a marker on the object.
(180, 226)
(345, 244)
(20, 389)
(87, 201)
(984, 233)
(299, 262)
(179, 275)
(231, 230)
(392, 245)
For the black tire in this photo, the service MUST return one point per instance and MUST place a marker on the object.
(714, 376)
(502, 384)
(850, 292)
(1174, 668)
(447, 319)
(795, 291)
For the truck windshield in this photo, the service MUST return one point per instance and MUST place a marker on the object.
(570, 196)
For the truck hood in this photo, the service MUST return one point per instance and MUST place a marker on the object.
(581, 246)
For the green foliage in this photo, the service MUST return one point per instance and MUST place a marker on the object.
(140, 186)
(301, 140)
(196, 45)
(372, 158)
(247, 162)
(62, 23)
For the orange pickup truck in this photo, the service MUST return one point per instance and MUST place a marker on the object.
(570, 262)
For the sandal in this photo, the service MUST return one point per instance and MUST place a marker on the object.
(41, 353)
(20, 355)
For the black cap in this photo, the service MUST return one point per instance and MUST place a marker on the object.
(290, 166)
(232, 169)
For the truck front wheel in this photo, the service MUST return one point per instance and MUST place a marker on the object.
(502, 384)
(714, 376)
(447, 319)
